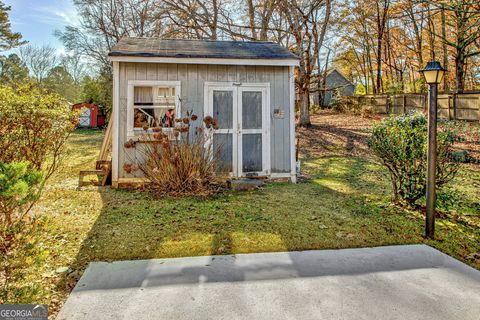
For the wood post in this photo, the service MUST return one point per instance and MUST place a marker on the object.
(404, 103)
(455, 106)
(448, 106)
(105, 151)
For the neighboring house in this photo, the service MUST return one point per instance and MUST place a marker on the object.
(336, 84)
(90, 115)
(247, 86)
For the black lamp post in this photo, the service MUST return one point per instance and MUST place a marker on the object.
(433, 74)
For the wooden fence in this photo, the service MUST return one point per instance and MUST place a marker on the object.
(462, 106)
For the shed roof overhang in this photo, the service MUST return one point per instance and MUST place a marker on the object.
(221, 61)
(156, 50)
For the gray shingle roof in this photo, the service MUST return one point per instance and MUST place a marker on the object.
(154, 47)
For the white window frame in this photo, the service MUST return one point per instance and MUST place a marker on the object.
(149, 83)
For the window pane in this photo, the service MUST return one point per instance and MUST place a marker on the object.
(251, 110)
(150, 118)
(223, 108)
(143, 96)
(154, 106)
(223, 149)
(164, 96)
(252, 152)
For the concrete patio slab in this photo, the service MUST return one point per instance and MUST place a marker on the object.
(398, 282)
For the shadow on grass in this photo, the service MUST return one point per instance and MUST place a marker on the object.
(336, 209)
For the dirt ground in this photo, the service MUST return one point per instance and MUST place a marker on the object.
(334, 133)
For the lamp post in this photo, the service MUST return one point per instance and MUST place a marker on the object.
(433, 74)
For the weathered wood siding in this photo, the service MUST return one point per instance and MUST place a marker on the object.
(192, 79)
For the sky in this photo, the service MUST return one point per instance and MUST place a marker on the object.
(37, 20)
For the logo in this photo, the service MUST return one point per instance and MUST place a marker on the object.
(23, 312)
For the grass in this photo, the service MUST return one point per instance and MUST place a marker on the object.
(345, 203)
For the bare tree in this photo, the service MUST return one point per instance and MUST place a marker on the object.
(382, 8)
(75, 67)
(39, 60)
(303, 22)
(104, 22)
(260, 13)
(463, 17)
(197, 19)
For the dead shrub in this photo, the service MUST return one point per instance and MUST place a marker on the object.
(346, 104)
(176, 163)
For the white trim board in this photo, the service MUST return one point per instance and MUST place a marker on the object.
(239, 62)
(235, 84)
(115, 117)
(293, 160)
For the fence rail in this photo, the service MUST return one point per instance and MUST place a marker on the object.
(459, 106)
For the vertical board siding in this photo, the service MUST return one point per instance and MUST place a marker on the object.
(269, 74)
(232, 73)
(222, 73)
(172, 72)
(242, 73)
(151, 73)
(162, 72)
(281, 124)
(203, 75)
(128, 154)
(190, 96)
(192, 79)
(212, 70)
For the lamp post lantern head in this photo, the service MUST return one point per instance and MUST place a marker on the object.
(433, 72)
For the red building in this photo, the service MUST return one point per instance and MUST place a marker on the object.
(90, 115)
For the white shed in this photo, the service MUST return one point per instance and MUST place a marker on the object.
(247, 86)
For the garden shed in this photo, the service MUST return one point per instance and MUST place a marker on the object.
(336, 85)
(248, 87)
(90, 115)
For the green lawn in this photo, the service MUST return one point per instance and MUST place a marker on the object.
(346, 203)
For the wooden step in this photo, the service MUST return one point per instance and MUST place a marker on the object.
(103, 166)
(103, 171)
(92, 172)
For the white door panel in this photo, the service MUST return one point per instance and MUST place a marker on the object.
(243, 136)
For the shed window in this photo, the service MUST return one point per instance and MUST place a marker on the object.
(152, 105)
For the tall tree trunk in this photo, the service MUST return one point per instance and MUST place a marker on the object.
(460, 70)
(378, 83)
(304, 107)
(445, 51)
(322, 82)
(251, 18)
(382, 16)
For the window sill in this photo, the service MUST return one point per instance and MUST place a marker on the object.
(142, 136)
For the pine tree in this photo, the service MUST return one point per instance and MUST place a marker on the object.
(8, 38)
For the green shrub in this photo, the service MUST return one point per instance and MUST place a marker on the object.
(34, 126)
(401, 144)
(19, 188)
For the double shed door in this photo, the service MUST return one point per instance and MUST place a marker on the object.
(242, 139)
